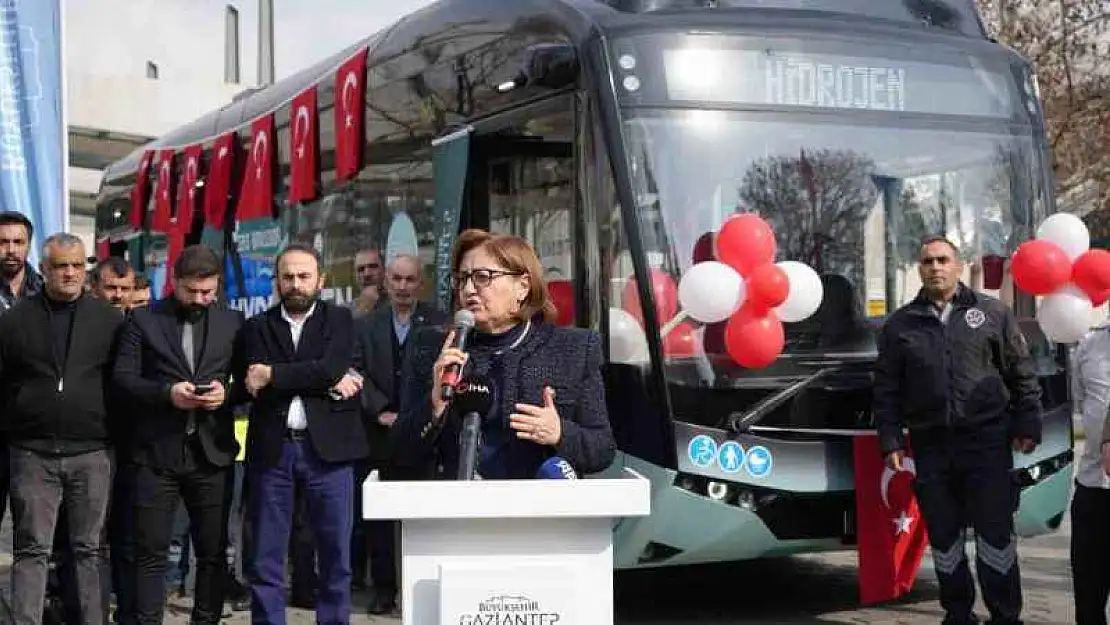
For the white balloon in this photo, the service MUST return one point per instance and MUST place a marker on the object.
(1067, 231)
(1065, 315)
(627, 343)
(805, 295)
(711, 291)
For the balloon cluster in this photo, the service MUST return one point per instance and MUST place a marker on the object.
(1073, 278)
(738, 281)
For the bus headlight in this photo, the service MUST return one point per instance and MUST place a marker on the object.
(717, 491)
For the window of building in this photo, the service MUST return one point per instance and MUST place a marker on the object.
(231, 45)
(151, 70)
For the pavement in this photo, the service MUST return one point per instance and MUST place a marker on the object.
(810, 589)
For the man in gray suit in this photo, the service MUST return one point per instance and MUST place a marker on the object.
(382, 336)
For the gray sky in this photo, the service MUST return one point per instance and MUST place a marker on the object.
(309, 30)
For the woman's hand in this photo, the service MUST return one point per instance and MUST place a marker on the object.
(447, 357)
(539, 424)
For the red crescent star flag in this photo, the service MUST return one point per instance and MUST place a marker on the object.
(139, 191)
(256, 197)
(163, 193)
(304, 139)
(187, 190)
(217, 186)
(890, 531)
(350, 104)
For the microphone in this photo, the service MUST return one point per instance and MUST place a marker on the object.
(464, 321)
(556, 468)
(473, 397)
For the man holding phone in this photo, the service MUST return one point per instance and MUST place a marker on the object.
(176, 359)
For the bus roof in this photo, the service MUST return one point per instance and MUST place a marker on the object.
(577, 20)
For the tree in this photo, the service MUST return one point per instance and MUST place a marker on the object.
(1067, 41)
(817, 205)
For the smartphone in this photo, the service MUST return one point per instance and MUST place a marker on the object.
(204, 389)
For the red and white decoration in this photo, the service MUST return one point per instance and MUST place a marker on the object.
(890, 533)
(1059, 265)
(187, 190)
(163, 192)
(304, 170)
(217, 186)
(256, 197)
(140, 189)
(350, 102)
(743, 285)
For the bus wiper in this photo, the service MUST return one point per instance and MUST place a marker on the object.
(739, 422)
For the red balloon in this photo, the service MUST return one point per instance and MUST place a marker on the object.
(1091, 272)
(562, 296)
(681, 341)
(703, 249)
(746, 242)
(1040, 267)
(754, 340)
(767, 286)
(665, 292)
(1100, 299)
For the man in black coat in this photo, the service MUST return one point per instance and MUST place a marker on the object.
(55, 358)
(175, 362)
(954, 369)
(306, 431)
(382, 337)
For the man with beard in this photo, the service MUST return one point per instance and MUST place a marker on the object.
(113, 281)
(55, 360)
(305, 431)
(175, 362)
(17, 281)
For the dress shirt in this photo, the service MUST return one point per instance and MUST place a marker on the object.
(297, 419)
(1092, 382)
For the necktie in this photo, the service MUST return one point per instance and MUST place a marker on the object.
(187, 347)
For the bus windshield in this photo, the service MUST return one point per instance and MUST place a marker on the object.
(851, 193)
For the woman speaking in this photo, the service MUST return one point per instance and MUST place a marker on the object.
(548, 398)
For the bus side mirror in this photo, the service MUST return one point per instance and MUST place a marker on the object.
(549, 65)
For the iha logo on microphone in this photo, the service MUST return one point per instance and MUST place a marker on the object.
(504, 609)
(466, 387)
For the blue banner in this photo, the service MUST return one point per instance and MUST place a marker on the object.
(32, 131)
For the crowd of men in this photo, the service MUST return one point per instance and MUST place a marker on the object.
(125, 423)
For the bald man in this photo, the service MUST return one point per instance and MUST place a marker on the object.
(382, 336)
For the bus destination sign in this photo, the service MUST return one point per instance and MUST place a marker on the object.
(789, 79)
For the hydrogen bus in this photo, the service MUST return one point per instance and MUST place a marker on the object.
(617, 136)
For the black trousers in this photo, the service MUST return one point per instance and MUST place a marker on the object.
(121, 542)
(965, 477)
(203, 487)
(1090, 553)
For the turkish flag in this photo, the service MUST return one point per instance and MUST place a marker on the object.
(350, 101)
(176, 245)
(217, 186)
(305, 137)
(187, 190)
(139, 191)
(256, 197)
(889, 527)
(163, 192)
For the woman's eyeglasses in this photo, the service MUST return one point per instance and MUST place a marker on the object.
(482, 277)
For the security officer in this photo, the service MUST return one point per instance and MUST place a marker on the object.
(954, 369)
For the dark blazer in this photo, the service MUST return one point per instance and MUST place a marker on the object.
(150, 361)
(324, 354)
(567, 359)
(375, 360)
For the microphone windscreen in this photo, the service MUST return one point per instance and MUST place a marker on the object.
(464, 319)
(556, 468)
(474, 394)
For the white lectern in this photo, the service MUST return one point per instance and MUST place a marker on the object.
(535, 551)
